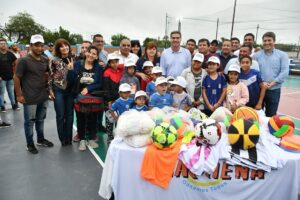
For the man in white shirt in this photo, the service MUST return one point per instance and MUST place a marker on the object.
(124, 52)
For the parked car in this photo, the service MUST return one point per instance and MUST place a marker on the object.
(295, 66)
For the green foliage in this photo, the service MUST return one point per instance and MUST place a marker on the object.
(286, 47)
(117, 38)
(165, 43)
(62, 33)
(20, 27)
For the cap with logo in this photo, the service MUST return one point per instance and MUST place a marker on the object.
(198, 57)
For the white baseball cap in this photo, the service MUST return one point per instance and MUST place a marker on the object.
(112, 56)
(36, 38)
(147, 64)
(160, 80)
(124, 87)
(234, 68)
(198, 57)
(179, 81)
(130, 63)
(156, 70)
(214, 59)
(140, 93)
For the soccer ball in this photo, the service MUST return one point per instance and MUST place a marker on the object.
(208, 131)
(197, 114)
(164, 135)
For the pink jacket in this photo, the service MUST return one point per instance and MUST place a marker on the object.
(237, 94)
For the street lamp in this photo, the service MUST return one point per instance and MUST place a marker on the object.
(179, 23)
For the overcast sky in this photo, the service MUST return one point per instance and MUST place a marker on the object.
(139, 19)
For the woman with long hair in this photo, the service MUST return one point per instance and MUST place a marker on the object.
(61, 84)
(88, 81)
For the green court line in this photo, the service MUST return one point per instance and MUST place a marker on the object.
(102, 142)
(292, 82)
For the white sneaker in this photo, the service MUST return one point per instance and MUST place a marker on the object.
(93, 144)
(82, 145)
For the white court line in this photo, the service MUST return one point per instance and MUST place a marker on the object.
(93, 151)
(289, 116)
(290, 93)
(96, 156)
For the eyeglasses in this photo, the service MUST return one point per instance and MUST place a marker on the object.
(99, 41)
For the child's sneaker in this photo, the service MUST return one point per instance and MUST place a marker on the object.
(93, 144)
(76, 138)
(82, 145)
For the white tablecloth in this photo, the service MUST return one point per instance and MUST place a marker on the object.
(121, 174)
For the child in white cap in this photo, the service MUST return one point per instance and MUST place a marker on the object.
(161, 97)
(182, 100)
(130, 78)
(147, 70)
(140, 100)
(156, 72)
(122, 104)
(237, 94)
(213, 87)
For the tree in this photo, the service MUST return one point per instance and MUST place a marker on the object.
(116, 39)
(164, 43)
(147, 39)
(20, 27)
(62, 33)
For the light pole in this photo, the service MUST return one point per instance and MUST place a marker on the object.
(233, 18)
(179, 24)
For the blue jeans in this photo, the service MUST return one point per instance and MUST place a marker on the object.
(9, 85)
(34, 114)
(271, 102)
(63, 104)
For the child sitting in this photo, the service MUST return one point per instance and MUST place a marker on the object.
(237, 92)
(140, 101)
(252, 79)
(129, 77)
(147, 69)
(182, 100)
(156, 72)
(161, 97)
(213, 86)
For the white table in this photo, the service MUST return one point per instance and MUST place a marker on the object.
(121, 175)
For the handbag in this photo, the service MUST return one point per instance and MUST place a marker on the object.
(88, 103)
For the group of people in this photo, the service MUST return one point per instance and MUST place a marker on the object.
(96, 84)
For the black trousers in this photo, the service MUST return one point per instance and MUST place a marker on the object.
(86, 125)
